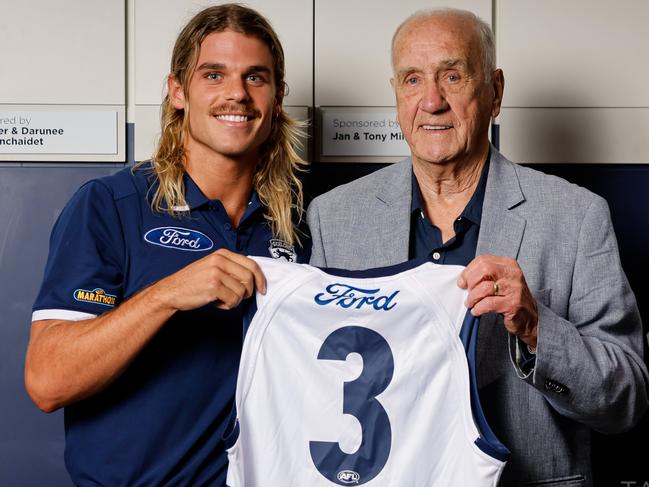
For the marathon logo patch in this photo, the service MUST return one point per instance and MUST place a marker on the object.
(96, 296)
(281, 250)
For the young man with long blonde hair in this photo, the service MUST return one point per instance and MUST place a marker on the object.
(137, 328)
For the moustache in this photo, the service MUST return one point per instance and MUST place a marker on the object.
(234, 108)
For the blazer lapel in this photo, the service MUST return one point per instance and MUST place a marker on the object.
(394, 195)
(501, 233)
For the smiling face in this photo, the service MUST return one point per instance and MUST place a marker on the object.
(444, 102)
(231, 98)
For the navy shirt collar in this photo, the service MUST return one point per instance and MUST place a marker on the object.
(195, 198)
(193, 194)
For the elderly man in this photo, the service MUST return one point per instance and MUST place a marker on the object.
(137, 330)
(560, 350)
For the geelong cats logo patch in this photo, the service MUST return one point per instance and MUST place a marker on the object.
(281, 250)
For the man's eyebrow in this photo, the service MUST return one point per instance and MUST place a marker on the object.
(452, 63)
(403, 72)
(220, 66)
(259, 69)
(215, 66)
(444, 64)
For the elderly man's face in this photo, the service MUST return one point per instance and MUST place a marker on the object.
(444, 104)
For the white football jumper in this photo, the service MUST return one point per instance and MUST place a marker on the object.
(360, 380)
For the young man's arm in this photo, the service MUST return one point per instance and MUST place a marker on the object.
(71, 360)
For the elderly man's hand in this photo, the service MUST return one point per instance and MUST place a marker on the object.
(497, 285)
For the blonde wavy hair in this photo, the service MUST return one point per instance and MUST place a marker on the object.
(276, 176)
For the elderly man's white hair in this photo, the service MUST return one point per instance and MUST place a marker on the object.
(485, 34)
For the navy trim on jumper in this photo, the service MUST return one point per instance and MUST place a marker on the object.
(487, 442)
(377, 272)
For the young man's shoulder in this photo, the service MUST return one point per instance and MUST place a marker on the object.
(129, 181)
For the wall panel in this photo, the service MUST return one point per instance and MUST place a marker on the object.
(575, 135)
(68, 52)
(575, 80)
(65, 59)
(574, 54)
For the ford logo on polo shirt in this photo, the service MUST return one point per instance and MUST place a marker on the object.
(179, 238)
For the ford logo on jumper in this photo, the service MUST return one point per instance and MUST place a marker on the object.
(179, 238)
(347, 296)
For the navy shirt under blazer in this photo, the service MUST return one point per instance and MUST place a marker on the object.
(426, 239)
(161, 422)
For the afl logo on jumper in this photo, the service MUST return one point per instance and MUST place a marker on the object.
(281, 250)
(179, 238)
(348, 477)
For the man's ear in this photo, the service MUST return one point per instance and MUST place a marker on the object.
(279, 99)
(176, 93)
(498, 82)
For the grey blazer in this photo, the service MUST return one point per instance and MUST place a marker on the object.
(589, 371)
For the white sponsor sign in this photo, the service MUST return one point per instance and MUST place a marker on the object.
(362, 132)
(58, 132)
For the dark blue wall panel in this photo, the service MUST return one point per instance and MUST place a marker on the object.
(31, 442)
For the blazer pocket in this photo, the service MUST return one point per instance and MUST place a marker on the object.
(571, 481)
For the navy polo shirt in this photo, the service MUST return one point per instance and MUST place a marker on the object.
(426, 238)
(162, 421)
